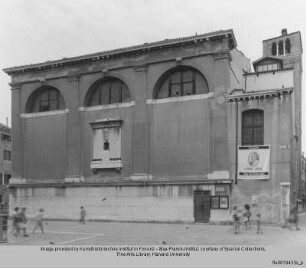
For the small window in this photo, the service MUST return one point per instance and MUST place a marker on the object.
(288, 46)
(252, 127)
(280, 47)
(6, 137)
(106, 146)
(109, 91)
(273, 49)
(219, 202)
(7, 178)
(181, 81)
(7, 155)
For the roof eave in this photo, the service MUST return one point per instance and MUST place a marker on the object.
(111, 53)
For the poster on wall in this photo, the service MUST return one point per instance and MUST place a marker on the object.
(254, 162)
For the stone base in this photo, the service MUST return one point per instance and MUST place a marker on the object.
(141, 177)
(72, 179)
(18, 180)
(218, 175)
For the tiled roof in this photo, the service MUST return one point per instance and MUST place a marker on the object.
(124, 50)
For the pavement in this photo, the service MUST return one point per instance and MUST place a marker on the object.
(123, 233)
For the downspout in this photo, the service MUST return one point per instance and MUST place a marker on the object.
(236, 144)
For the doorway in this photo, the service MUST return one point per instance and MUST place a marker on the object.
(285, 201)
(201, 202)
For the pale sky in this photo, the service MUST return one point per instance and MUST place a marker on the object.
(33, 31)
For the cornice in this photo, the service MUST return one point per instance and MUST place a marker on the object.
(140, 49)
(259, 95)
(15, 86)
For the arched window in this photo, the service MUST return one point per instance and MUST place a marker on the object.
(280, 48)
(181, 81)
(288, 46)
(45, 98)
(252, 127)
(107, 91)
(273, 49)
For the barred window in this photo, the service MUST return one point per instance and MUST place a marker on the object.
(181, 81)
(253, 127)
(45, 98)
(108, 91)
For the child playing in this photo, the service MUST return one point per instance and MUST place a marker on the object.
(258, 222)
(16, 221)
(39, 220)
(83, 215)
(246, 216)
(236, 219)
(23, 221)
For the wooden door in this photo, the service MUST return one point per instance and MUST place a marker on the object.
(201, 201)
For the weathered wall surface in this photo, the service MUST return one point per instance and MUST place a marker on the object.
(180, 140)
(277, 133)
(168, 203)
(187, 137)
(45, 148)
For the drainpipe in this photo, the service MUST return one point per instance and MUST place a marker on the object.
(236, 143)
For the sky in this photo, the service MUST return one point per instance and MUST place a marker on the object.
(33, 31)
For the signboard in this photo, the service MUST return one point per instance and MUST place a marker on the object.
(253, 162)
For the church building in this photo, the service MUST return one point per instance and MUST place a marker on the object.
(179, 130)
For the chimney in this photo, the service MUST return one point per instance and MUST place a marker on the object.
(284, 32)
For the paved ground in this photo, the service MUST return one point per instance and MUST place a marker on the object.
(117, 233)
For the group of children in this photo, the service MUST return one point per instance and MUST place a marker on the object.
(238, 215)
(20, 221)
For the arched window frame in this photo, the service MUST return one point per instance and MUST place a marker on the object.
(252, 127)
(178, 88)
(44, 99)
(280, 47)
(103, 89)
(288, 46)
(274, 49)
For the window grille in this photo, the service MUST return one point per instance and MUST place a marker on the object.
(181, 82)
(45, 99)
(253, 127)
(108, 91)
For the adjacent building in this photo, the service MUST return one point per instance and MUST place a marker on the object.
(176, 130)
(5, 154)
(302, 186)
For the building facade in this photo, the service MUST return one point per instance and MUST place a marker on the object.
(5, 154)
(152, 132)
(302, 186)
(268, 112)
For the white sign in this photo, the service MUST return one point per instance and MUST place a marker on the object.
(253, 162)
